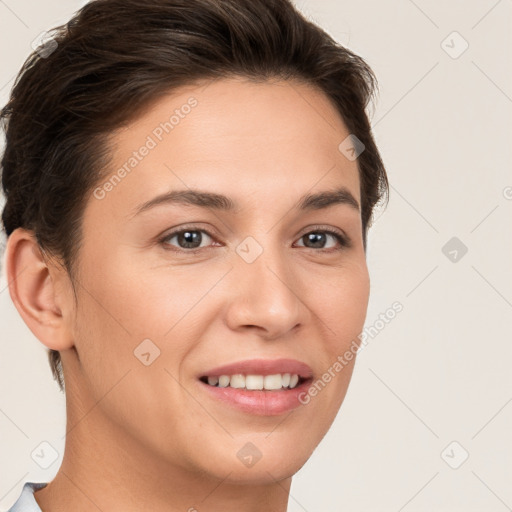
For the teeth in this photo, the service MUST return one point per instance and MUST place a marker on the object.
(256, 382)
(273, 381)
(237, 381)
(223, 381)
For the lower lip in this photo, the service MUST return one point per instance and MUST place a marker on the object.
(259, 402)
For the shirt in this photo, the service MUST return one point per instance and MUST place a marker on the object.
(26, 502)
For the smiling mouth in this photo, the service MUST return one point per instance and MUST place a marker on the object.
(254, 382)
(260, 387)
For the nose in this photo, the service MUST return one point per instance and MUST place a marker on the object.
(266, 297)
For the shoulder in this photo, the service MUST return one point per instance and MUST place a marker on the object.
(26, 501)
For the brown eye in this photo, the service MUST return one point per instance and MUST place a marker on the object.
(190, 239)
(318, 239)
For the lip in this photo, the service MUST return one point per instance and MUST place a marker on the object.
(260, 402)
(262, 367)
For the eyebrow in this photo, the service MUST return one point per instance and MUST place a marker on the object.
(219, 202)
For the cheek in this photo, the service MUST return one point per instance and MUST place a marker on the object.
(154, 299)
(342, 305)
(127, 310)
(341, 308)
(112, 337)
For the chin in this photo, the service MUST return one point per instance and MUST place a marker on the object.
(263, 472)
(260, 459)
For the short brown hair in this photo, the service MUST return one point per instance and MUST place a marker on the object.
(114, 57)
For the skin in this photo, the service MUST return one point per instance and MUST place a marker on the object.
(148, 437)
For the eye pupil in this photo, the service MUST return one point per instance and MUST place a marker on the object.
(190, 238)
(318, 239)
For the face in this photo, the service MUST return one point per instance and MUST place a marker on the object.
(172, 290)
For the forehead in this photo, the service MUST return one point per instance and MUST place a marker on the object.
(265, 142)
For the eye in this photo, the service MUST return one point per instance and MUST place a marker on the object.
(317, 239)
(188, 238)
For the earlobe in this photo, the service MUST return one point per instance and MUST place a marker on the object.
(32, 283)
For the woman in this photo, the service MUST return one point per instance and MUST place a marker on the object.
(189, 186)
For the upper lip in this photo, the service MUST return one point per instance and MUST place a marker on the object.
(262, 367)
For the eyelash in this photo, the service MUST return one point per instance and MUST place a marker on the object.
(343, 241)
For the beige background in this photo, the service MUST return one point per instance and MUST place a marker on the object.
(440, 371)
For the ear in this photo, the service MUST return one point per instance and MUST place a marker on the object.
(38, 289)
